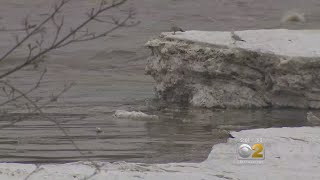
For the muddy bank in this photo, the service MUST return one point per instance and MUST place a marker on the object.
(272, 68)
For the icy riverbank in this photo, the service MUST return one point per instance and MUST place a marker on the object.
(290, 153)
(272, 68)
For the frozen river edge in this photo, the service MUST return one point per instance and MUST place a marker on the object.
(290, 153)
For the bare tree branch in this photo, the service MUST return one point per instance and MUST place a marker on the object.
(37, 108)
(35, 30)
(65, 89)
(38, 45)
(28, 92)
(72, 34)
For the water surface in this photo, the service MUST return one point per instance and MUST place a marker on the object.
(109, 75)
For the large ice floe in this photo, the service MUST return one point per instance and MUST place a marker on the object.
(272, 68)
(290, 153)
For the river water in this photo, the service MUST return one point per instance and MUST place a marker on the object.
(109, 75)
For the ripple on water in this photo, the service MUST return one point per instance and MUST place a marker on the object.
(179, 135)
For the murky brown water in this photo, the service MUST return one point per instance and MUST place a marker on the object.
(110, 75)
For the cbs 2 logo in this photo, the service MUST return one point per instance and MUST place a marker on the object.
(256, 151)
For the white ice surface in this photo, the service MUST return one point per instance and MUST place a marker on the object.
(302, 43)
(291, 153)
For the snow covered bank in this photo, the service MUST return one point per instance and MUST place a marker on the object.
(272, 68)
(290, 153)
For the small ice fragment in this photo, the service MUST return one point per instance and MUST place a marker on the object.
(133, 115)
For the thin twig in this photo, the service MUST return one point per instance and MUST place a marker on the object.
(37, 108)
(28, 92)
(36, 29)
(62, 43)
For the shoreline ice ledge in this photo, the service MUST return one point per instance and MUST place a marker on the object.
(273, 68)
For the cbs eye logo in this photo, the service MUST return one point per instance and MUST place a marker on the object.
(256, 151)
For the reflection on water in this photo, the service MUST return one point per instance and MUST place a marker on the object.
(179, 135)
